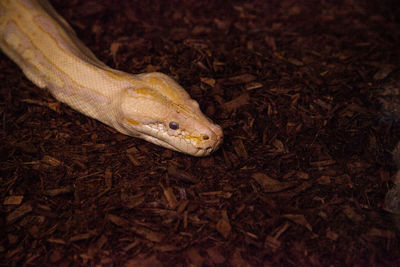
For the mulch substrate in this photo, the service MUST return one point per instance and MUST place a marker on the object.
(308, 95)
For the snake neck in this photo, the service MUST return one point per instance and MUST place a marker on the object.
(48, 51)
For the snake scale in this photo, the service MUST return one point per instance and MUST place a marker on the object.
(151, 106)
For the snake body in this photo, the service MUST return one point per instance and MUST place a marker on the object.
(151, 106)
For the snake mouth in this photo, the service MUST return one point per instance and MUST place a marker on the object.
(196, 151)
(178, 140)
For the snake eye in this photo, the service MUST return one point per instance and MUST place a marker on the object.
(174, 125)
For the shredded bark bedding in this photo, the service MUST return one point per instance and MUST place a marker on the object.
(308, 95)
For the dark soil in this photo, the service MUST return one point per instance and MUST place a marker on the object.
(307, 93)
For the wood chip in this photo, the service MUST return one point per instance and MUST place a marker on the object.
(240, 149)
(13, 200)
(383, 72)
(272, 240)
(194, 257)
(324, 180)
(215, 256)
(323, 163)
(332, 235)
(59, 191)
(237, 259)
(147, 233)
(114, 50)
(147, 262)
(170, 196)
(224, 228)
(209, 81)
(270, 185)
(238, 102)
(352, 215)
(296, 62)
(79, 237)
(19, 212)
(56, 256)
(243, 78)
(51, 161)
(118, 220)
(382, 233)
(108, 178)
(134, 161)
(253, 85)
(181, 175)
(299, 219)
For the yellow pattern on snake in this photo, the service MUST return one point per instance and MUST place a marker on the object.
(151, 106)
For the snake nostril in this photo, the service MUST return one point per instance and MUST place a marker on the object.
(206, 137)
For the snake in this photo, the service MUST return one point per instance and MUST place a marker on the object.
(151, 106)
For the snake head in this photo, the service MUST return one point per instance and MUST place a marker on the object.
(160, 111)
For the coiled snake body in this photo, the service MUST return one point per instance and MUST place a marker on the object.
(151, 106)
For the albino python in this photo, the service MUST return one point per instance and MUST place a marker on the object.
(151, 106)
